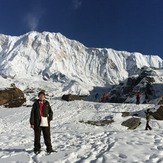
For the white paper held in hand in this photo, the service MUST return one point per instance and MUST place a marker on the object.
(44, 122)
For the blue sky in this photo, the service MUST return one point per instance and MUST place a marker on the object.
(130, 25)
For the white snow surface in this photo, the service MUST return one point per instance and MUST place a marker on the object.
(81, 143)
(52, 56)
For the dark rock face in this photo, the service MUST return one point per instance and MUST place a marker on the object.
(117, 99)
(12, 97)
(133, 81)
(143, 81)
(147, 72)
(158, 115)
(150, 79)
(122, 92)
(125, 114)
(132, 123)
(70, 97)
(127, 89)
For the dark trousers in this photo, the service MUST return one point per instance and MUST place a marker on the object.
(147, 126)
(46, 135)
(137, 101)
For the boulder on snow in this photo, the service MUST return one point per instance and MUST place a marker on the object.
(132, 123)
(70, 97)
(158, 115)
(12, 97)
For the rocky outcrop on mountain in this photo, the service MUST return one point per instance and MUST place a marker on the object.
(12, 97)
(146, 72)
(144, 82)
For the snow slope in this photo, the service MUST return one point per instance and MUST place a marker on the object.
(81, 143)
(51, 56)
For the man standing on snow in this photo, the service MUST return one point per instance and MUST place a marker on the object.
(138, 98)
(96, 97)
(104, 97)
(41, 110)
(148, 116)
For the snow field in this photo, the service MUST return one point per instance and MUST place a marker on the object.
(81, 143)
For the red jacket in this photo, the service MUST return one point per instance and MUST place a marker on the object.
(138, 95)
(104, 96)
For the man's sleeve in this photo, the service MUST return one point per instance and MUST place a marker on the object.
(50, 113)
(32, 115)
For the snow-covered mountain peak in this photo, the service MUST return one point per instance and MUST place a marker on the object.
(52, 56)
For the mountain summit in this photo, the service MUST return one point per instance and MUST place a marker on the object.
(52, 56)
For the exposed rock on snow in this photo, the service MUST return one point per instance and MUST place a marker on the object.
(150, 79)
(125, 114)
(12, 97)
(132, 123)
(98, 123)
(146, 71)
(70, 97)
(148, 82)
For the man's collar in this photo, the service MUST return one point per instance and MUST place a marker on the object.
(41, 101)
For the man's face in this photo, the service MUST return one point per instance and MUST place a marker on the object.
(41, 97)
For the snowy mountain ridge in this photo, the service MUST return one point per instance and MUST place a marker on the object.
(51, 56)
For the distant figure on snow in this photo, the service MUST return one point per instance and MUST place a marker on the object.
(148, 116)
(104, 97)
(41, 115)
(97, 97)
(138, 98)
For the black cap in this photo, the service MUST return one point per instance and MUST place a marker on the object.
(42, 92)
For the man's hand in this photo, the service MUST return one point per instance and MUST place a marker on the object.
(32, 126)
